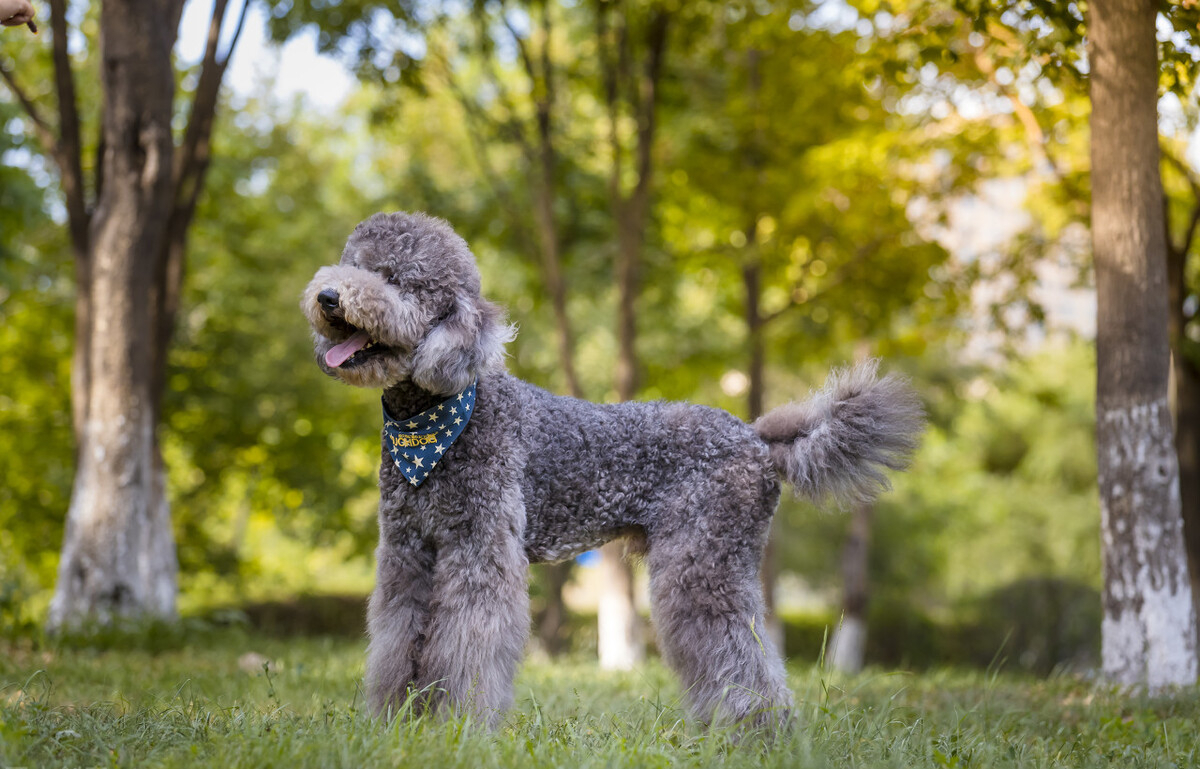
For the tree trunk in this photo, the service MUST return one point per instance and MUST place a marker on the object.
(553, 620)
(848, 646)
(619, 628)
(1149, 626)
(118, 557)
(546, 192)
(69, 161)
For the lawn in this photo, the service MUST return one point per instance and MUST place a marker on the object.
(199, 700)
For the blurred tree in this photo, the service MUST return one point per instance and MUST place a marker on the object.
(1149, 620)
(128, 228)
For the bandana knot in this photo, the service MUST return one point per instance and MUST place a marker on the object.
(418, 443)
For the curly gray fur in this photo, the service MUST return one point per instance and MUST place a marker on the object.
(538, 477)
(837, 444)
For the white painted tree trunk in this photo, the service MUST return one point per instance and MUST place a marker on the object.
(1149, 621)
(1149, 629)
(619, 629)
(118, 556)
(848, 645)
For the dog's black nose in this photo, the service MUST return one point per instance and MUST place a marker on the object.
(328, 299)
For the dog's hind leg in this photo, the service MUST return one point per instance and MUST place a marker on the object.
(708, 609)
(396, 616)
(479, 617)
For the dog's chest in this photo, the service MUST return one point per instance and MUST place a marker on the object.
(422, 511)
(475, 485)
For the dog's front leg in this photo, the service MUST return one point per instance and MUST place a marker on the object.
(479, 620)
(397, 615)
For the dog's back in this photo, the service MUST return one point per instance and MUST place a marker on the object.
(594, 472)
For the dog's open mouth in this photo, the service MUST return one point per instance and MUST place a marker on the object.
(355, 350)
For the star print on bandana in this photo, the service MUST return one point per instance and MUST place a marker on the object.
(416, 453)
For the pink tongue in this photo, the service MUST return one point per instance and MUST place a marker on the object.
(340, 354)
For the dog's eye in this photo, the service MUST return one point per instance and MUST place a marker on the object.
(393, 280)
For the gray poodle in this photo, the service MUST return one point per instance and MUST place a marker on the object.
(484, 474)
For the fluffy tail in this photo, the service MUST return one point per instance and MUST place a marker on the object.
(838, 443)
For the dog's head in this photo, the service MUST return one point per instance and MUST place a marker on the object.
(404, 303)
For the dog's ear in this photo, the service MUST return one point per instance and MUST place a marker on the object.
(467, 342)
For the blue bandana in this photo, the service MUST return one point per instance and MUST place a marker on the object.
(417, 443)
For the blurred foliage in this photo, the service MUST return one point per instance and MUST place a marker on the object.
(1039, 625)
(1002, 490)
(35, 353)
(831, 144)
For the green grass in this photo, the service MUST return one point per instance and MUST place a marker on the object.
(192, 705)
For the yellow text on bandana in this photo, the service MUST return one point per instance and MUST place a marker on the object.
(404, 441)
